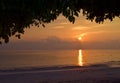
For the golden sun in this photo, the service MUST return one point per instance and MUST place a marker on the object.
(80, 38)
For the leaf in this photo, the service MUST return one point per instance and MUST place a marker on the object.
(71, 19)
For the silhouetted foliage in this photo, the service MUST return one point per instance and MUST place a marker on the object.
(16, 15)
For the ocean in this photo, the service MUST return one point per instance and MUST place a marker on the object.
(48, 58)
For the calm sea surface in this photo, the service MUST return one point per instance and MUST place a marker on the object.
(33, 58)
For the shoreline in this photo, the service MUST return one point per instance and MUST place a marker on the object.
(70, 74)
(47, 68)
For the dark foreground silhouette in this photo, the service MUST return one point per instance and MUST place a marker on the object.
(16, 15)
(71, 74)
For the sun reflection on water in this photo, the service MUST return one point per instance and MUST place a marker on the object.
(80, 60)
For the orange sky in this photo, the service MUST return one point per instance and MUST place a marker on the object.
(62, 28)
(62, 32)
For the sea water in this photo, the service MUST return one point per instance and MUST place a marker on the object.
(44, 58)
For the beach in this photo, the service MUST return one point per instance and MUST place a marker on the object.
(70, 74)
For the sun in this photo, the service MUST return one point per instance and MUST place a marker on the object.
(79, 38)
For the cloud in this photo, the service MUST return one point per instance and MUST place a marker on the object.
(58, 27)
(55, 43)
(96, 32)
(83, 34)
(80, 28)
(110, 44)
(50, 43)
(99, 32)
(87, 26)
(64, 23)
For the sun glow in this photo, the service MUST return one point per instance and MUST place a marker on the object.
(79, 38)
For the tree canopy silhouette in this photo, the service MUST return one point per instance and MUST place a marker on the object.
(16, 15)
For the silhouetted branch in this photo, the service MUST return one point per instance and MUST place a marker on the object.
(16, 15)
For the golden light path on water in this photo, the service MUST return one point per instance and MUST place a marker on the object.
(80, 61)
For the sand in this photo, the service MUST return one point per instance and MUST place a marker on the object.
(70, 74)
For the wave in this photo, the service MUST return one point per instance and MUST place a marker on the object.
(60, 67)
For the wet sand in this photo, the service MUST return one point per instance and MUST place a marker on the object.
(93, 74)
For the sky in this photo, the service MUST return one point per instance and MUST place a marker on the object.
(61, 34)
